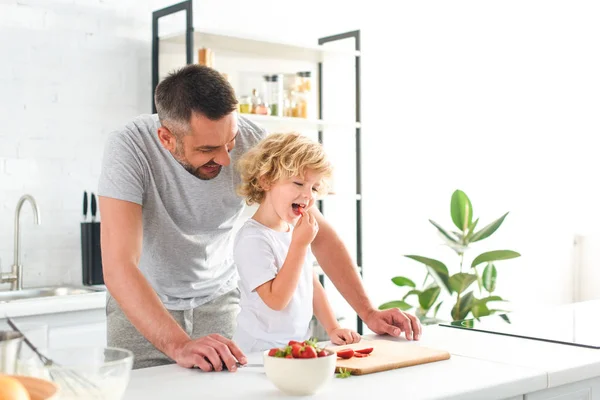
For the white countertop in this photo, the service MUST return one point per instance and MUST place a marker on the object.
(456, 378)
(482, 366)
(51, 305)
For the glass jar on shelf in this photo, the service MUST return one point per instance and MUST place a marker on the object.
(245, 105)
(276, 99)
(301, 94)
(258, 105)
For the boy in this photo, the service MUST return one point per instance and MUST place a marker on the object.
(280, 292)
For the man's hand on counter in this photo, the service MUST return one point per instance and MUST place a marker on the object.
(393, 322)
(210, 353)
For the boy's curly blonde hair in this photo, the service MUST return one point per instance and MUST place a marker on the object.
(281, 156)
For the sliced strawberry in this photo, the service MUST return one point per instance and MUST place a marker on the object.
(346, 353)
(368, 350)
(360, 355)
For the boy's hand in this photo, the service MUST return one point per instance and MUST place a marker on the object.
(341, 336)
(305, 230)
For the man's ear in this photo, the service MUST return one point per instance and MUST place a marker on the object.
(167, 139)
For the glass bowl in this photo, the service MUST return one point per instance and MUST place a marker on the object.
(85, 372)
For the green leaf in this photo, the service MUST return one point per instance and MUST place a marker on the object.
(428, 297)
(437, 308)
(411, 292)
(490, 298)
(461, 210)
(462, 307)
(471, 229)
(505, 317)
(404, 306)
(461, 281)
(426, 276)
(402, 281)
(480, 310)
(479, 281)
(443, 231)
(495, 255)
(488, 230)
(489, 277)
(343, 373)
(436, 268)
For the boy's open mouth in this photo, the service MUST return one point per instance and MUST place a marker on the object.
(298, 208)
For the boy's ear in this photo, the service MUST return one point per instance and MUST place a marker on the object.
(264, 184)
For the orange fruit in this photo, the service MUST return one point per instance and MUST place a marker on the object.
(12, 389)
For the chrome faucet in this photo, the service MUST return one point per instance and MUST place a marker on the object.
(15, 277)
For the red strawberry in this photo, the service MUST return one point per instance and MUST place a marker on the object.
(293, 342)
(346, 353)
(308, 352)
(368, 350)
(296, 350)
(360, 355)
(272, 352)
(289, 356)
(322, 353)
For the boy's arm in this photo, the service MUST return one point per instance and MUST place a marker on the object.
(321, 307)
(278, 292)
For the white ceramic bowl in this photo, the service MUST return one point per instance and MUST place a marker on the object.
(300, 376)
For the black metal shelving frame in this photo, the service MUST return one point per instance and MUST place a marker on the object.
(186, 6)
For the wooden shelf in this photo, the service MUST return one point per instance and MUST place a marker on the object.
(291, 123)
(261, 47)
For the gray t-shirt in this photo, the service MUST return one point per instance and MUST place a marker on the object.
(187, 222)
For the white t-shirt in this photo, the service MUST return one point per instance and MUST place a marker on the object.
(259, 253)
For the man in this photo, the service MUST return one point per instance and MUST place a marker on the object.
(168, 206)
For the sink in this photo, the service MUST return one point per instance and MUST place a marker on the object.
(54, 291)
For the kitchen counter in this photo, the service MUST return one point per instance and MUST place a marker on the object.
(482, 366)
(52, 305)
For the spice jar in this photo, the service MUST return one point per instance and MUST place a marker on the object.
(245, 105)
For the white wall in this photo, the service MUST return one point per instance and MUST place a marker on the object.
(498, 99)
(71, 72)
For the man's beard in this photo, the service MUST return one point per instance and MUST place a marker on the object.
(196, 171)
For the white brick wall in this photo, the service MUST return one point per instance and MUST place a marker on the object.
(71, 72)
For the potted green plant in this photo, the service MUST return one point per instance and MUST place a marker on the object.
(439, 286)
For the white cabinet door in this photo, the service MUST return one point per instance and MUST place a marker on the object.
(78, 336)
(588, 389)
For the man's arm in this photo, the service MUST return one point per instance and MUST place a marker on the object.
(335, 260)
(121, 243)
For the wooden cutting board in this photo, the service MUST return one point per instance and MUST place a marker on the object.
(387, 355)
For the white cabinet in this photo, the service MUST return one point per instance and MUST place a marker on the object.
(67, 329)
(588, 389)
